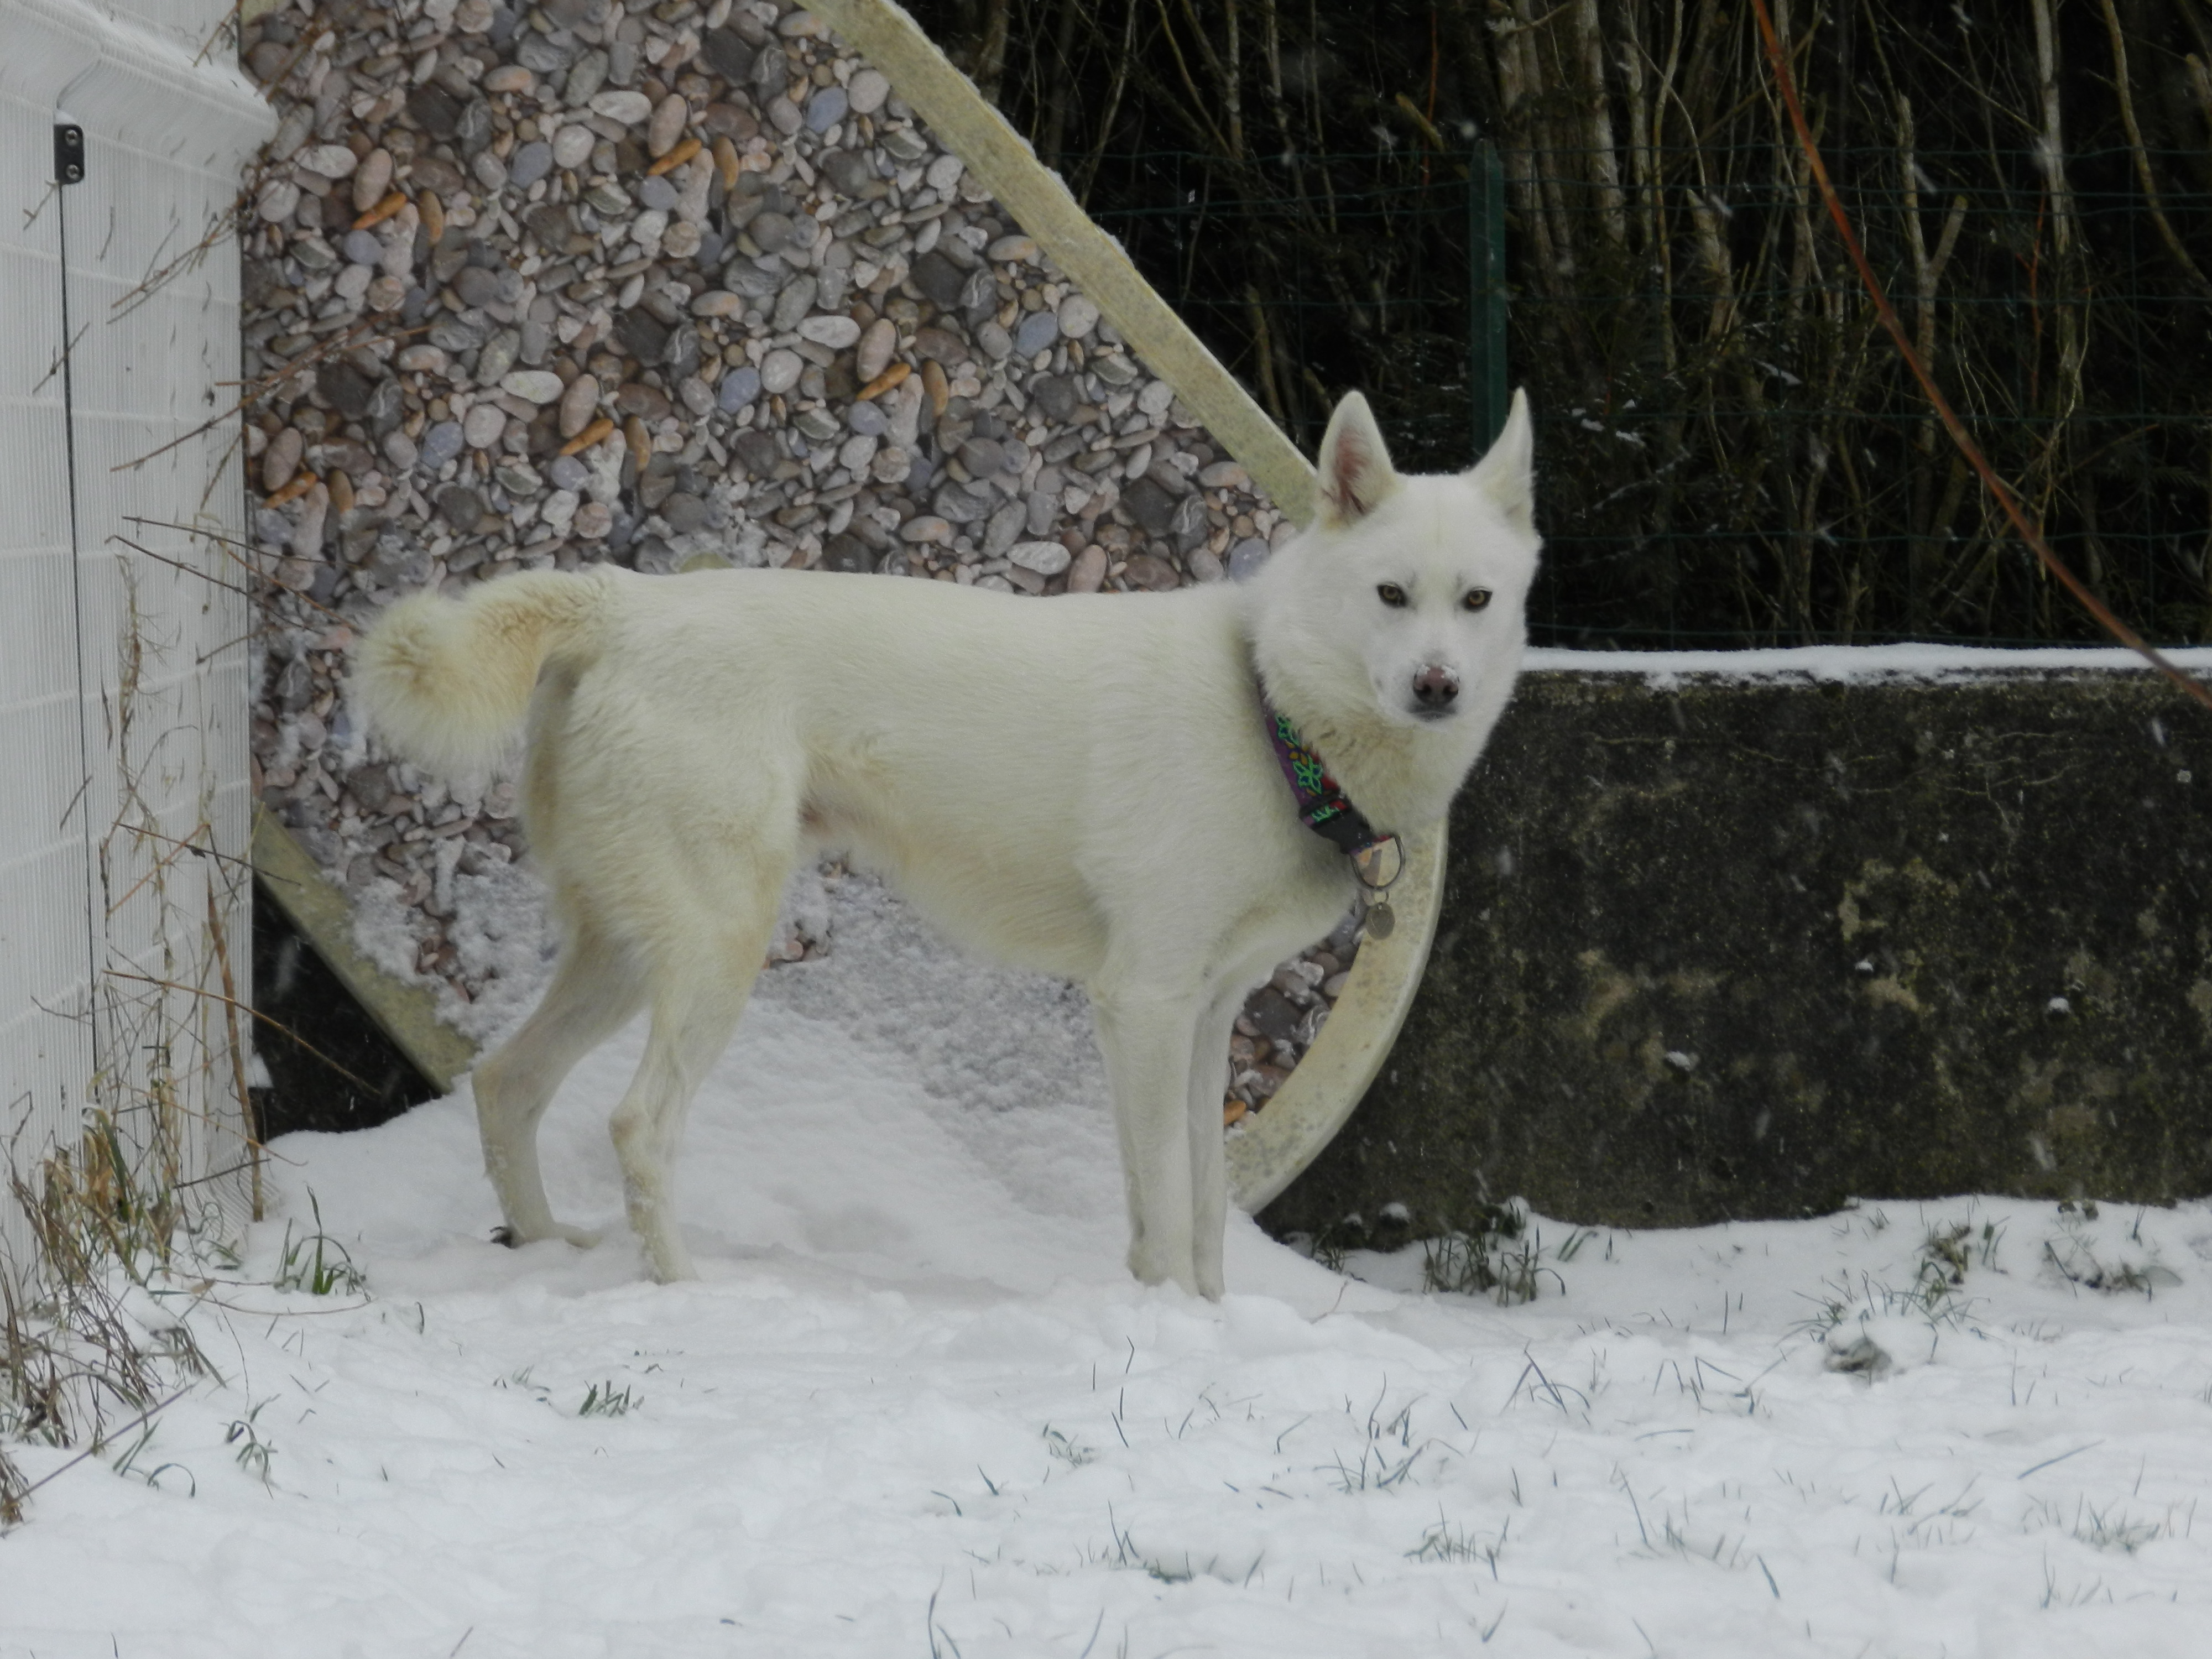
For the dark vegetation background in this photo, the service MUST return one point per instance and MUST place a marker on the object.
(1731, 452)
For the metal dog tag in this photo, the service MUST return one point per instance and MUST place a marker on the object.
(1379, 865)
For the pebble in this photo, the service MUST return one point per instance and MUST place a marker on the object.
(571, 147)
(780, 371)
(867, 92)
(372, 179)
(535, 385)
(329, 161)
(585, 76)
(276, 199)
(281, 459)
(771, 231)
(1038, 331)
(636, 399)
(627, 107)
(826, 108)
(498, 356)
(1046, 558)
(834, 332)
(1088, 572)
(531, 162)
(1078, 315)
(667, 125)
(1149, 571)
(738, 388)
(877, 345)
(484, 426)
(460, 507)
(441, 444)
(941, 344)
(477, 286)
(1246, 556)
(1011, 250)
(578, 402)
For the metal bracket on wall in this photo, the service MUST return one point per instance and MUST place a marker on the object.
(69, 153)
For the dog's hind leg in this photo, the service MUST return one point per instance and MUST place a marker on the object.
(595, 989)
(704, 970)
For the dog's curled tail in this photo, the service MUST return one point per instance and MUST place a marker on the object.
(447, 684)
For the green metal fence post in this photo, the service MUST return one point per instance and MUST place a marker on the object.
(1486, 333)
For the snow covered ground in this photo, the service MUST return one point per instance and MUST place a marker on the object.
(916, 1407)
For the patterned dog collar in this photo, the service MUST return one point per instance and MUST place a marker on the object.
(1376, 859)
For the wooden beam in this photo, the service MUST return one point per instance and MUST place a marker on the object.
(323, 916)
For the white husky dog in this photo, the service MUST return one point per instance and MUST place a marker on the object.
(1087, 788)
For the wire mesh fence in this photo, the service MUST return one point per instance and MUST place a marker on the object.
(1732, 453)
(1295, 271)
(1737, 454)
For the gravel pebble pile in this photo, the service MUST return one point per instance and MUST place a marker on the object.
(677, 288)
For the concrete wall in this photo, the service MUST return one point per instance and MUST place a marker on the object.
(1746, 947)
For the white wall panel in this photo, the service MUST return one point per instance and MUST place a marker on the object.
(122, 680)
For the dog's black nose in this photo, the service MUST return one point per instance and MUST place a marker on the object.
(1434, 688)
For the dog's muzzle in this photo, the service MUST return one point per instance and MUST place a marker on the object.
(1436, 691)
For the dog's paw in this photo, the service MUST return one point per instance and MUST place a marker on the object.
(582, 1237)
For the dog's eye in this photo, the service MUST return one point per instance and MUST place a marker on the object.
(1477, 598)
(1391, 595)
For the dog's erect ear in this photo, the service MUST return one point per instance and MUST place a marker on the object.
(1356, 474)
(1507, 475)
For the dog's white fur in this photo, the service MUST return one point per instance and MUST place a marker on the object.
(1084, 787)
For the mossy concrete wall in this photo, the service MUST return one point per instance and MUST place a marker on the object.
(1724, 949)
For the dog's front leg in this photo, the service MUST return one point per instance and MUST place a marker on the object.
(1146, 1038)
(1208, 1074)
